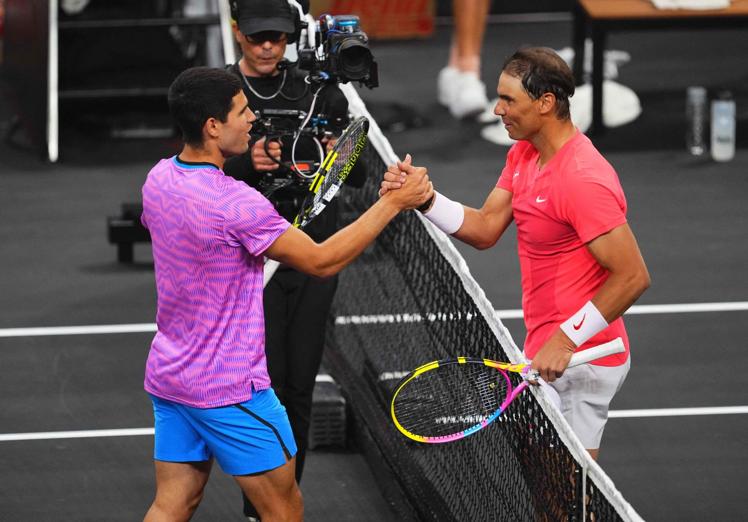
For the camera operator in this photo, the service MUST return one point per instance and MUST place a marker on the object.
(296, 305)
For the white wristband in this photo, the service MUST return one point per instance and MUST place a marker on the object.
(446, 214)
(584, 324)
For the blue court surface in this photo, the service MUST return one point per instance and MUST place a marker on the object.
(676, 443)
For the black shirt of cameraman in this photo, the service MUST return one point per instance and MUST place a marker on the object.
(272, 83)
(296, 305)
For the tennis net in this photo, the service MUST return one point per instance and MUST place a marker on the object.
(410, 299)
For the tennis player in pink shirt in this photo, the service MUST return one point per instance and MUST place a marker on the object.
(580, 264)
(206, 372)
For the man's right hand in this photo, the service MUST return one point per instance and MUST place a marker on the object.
(260, 159)
(395, 176)
(407, 186)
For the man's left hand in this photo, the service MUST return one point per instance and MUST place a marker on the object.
(553, 358)
(329, 143)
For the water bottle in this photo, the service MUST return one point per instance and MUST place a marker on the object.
(723, 127)
(696, 120)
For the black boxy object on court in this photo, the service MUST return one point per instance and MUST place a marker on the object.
(328, 423)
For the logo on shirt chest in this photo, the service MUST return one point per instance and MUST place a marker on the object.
(541, 199)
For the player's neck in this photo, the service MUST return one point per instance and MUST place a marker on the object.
(203, 154)
(551, 138)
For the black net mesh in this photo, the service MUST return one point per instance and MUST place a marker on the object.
(400, 305)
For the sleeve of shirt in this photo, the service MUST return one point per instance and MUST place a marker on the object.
(592, 204)
(506, 179)
(251, 221)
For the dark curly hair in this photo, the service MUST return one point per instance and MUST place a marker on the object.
(200, 93)
(543, 71)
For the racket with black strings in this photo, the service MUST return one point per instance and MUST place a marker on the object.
(447, 400)
(333, 172)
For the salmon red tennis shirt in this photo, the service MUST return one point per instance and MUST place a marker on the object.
(558, 209)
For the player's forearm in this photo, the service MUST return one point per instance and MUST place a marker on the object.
(339, 250)
(621, 290)
(480, 229)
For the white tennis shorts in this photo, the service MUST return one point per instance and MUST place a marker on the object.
(585, 392)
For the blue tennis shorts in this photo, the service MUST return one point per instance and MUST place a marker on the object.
(246, 438)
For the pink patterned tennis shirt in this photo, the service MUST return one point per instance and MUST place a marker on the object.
(208, 234)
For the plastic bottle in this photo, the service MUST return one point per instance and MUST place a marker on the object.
(723, 127)
(696, 120)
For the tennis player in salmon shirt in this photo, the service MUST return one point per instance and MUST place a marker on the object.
(206, 371)
(580, 263)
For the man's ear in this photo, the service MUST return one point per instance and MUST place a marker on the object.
(547, 103)
(238, 36)
(211, 128)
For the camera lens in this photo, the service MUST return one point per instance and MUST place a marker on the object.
(355, 59)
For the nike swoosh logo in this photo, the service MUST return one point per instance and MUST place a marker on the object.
(540, 200)
(578, 326)
(516, 174)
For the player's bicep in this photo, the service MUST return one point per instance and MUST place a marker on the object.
(483, 227)
(617, 250)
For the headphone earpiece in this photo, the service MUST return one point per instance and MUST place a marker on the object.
(298, 25)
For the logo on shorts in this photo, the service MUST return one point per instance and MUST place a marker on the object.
(540, 199)
(578, 326)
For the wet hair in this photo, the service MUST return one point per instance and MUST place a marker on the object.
(542, 71)
(200, 93)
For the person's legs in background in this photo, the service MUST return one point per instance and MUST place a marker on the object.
(296, 310)
(459, 85)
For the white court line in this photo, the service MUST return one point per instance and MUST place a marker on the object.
(734, 306)
(81, 434)
(78, 330)
(134, 432)
(677, 412)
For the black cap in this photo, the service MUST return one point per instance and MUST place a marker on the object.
(253, 16)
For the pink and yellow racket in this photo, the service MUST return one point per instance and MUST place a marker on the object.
(447, 400)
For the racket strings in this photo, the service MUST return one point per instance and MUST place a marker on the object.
(450, 399)
(349, 146)
(334, 171)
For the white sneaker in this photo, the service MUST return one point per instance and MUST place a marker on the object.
(445, 85)
(463, 93)
(470, 98)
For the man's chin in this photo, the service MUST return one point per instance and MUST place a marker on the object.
(268, 69)
(238, 151)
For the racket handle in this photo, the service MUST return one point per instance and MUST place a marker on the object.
(596, 352)
(271, 265)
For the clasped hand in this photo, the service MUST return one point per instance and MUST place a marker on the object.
(407, 184)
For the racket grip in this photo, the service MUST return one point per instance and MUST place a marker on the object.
(596, 352)
(271, 265)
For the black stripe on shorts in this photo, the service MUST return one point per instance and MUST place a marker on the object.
(266, 423)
